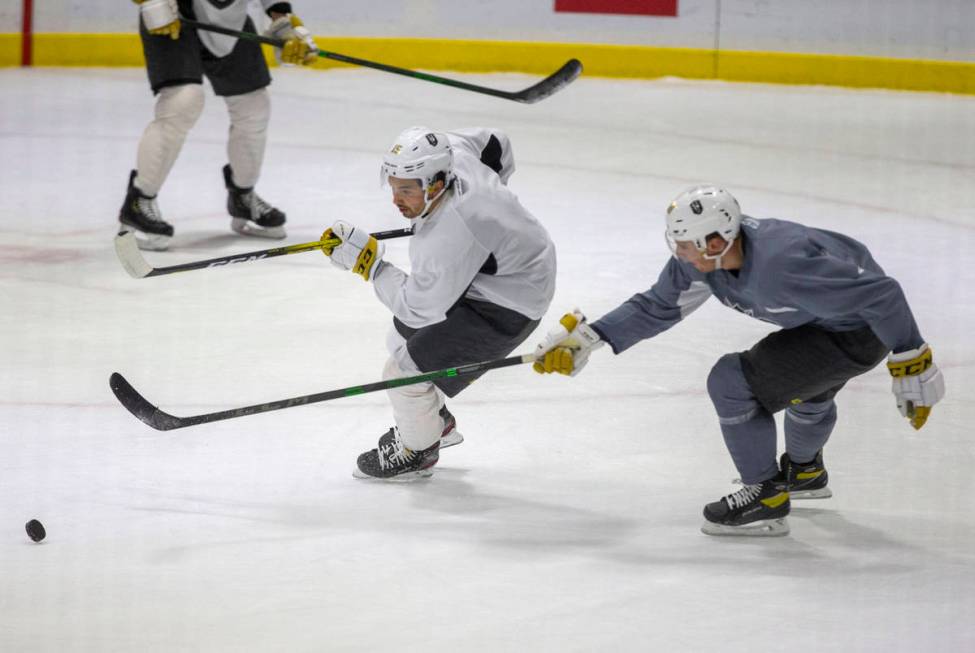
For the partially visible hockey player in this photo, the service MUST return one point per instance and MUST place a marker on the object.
(177, 59)
(840, 316)
(482, 274)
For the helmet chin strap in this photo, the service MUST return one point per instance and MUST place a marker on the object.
(717, 257)
(428, 201)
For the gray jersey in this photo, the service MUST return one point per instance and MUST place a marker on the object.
(791, 275)
(480, 242)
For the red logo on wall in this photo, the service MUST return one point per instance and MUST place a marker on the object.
(637, 7)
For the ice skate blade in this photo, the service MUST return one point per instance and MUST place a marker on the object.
(409, 477)
(802, 495)
(764, 528)
(451, 439)
(146, 241)
(246, 227)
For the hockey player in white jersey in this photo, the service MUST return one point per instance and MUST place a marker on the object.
(840, 316)
(177, 59)
(482, 274)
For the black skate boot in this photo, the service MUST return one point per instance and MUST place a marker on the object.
(806, 480)
(450, 435)
(252, 216)
(757, 510)
(392, 461)
(140, 214)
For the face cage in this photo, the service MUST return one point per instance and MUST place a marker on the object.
(672, 244)
(425, 183)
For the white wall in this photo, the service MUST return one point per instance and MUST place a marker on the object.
(10, 16)
(518, 20)
(915, 29)
(911, 29)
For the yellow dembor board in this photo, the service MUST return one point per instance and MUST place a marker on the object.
(632, 61)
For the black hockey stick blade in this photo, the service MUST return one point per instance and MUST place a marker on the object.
(551, 84)
(140, 407)
(163, 421)
(127, 250)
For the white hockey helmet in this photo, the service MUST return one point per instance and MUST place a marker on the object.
(419, 153)
(699, 212)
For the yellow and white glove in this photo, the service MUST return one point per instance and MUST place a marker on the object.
(358, 250)
(161, 17)
(299, 46)
(918, 384)
(566, 348)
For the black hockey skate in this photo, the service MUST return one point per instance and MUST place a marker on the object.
(252, 216)
(140, 214)
(807, 480)
(450, 435)
(392, 461)
(756, 510)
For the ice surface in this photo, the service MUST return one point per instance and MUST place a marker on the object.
(568, 520)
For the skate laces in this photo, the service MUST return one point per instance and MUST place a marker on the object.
(149, 208)
(744, 496)
(394, 453)
(258, 206)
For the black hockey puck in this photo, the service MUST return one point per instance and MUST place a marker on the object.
(35, 530)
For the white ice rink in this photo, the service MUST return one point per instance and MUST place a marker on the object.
(568, 520)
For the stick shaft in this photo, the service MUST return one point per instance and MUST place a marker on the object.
(162, 421)
(560, 78)
(133, 261)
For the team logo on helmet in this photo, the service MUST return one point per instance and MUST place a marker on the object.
(670, 209)
(696, 207)
(396, 149)
(432, 140)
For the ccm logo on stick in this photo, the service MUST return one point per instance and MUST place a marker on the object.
(242, 259)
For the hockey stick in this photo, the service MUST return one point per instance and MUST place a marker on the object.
(135, 264)
(162, 421)
(551, 84)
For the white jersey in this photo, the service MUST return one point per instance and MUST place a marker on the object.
(479, 242)
(230, 14)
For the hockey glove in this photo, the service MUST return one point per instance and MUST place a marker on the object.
(566, 348)
(918, 384)
(299, 46)
(161, 17)
(357, 250)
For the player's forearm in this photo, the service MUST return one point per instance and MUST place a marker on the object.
(636, 319)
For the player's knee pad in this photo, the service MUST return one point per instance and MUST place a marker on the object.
(730, 393)
(250, 112)
(400, 363)
(808, 413)
(179, 107)
(392, 370)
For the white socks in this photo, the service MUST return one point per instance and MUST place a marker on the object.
(177, 110)
(249, 115)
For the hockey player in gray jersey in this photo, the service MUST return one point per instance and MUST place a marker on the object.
(177, 59)
(840, 316)
(482, 274)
